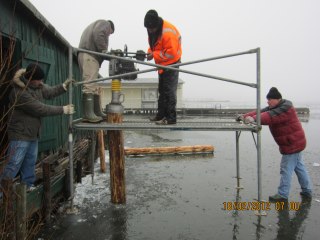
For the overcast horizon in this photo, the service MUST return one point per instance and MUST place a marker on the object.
(285, 31)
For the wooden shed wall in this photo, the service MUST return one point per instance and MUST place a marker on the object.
(37, 41)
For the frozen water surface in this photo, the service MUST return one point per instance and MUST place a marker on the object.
(185, 196)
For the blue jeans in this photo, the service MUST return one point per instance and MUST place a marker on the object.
(290, 163)
(22, 157)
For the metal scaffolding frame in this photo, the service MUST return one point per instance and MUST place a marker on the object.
(136, 124)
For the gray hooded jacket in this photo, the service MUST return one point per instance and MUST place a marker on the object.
(27, 107)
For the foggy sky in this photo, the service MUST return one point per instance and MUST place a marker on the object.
(286, 31)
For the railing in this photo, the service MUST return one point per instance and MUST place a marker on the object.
(256, 85)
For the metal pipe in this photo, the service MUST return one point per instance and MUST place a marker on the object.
(258, 119)
(93, 151)
(135, 53)
(70, 129)
(172, 67)
(238, 158)
(161, 66)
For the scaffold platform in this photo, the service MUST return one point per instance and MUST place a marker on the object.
(181, 125)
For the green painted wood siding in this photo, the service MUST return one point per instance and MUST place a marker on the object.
(36, 43)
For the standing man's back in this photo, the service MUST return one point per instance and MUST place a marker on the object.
(94, 38)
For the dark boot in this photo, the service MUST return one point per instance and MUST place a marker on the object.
(88, 109)
(97, 106)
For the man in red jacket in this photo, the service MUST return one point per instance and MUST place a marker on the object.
(288, 133)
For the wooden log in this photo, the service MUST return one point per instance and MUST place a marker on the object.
(116, 155)
(59, 161)
(169, 150)
(102, 151)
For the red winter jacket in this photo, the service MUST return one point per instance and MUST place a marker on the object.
(284, 125)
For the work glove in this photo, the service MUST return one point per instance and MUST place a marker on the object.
(248, 120)
(149, 56)
(68, 109)
(67, 82)
(240, 118)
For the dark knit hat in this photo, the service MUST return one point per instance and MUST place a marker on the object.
(274, 94)
(151, 20)
(34, 72)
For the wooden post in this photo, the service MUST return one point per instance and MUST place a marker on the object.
(67, 190)
(79, 172)
(8, 221)
(21, 217)
(116, 155)
(93, 153)
(102, 151)
(47, 190)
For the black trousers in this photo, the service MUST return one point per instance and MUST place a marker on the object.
(167, 101)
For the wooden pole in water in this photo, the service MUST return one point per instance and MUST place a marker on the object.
(116, 147)
(8, 206)
(169, 150)
(21, 217)
(101, 151)
(47, 189)
(116, 155)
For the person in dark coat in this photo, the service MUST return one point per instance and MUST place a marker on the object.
(27, 109)
(288, 133)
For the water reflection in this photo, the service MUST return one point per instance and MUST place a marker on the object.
(235, 215)
(118, 222)
(259, 227)
(289, 228)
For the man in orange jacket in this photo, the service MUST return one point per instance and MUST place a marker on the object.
(165, 49)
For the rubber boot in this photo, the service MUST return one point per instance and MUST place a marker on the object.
(88, 109)
(97, 106)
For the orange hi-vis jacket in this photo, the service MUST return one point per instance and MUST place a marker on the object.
(167, 50)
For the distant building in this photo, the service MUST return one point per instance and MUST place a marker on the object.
(139, 93)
